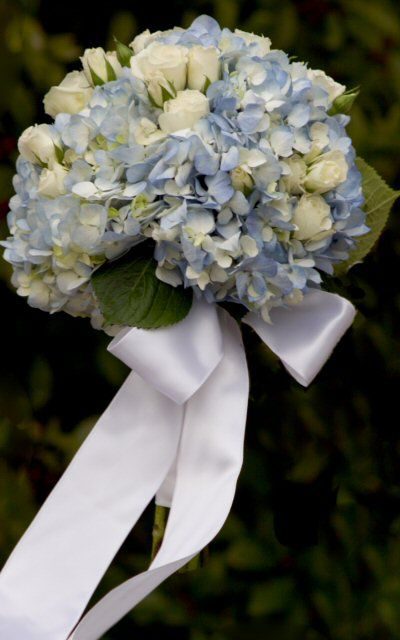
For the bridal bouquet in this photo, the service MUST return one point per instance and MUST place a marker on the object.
(193, 167)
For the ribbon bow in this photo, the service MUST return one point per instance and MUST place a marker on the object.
(175, 430)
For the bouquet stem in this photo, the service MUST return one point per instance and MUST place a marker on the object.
(160, 522)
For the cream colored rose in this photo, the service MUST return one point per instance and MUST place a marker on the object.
(160, 90)
(37, 145)
(168, 60)
(327, 172)
(184, 111)
(51, 181)
(263, 43)
(141, 40)
(71, 96)
(334, 89)
(312, 218)
(98, 63)
(204, 65)
(294, 180)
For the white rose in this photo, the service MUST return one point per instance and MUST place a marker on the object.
(70, 96)
(294, 180)
(37, 144)
(312, 217)
(183, 111)
(51, 181)
(142, 40)
(334, 89)
(159, 90)
(263, 44)
(104, 65)
(327, 172)
(203, 65)
(168, 60)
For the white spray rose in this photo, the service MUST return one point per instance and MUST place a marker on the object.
(263, 43)
(51, 181)
(183, 111)
(160, 90)
(203, 64)
(168, 60)
(70, 96)
(37, 144)
(294, 180)
(327, 172)
(96, 62)
(142, 40)
(334, 89)
(312, 217)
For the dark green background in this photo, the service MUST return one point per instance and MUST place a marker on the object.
(311, 549)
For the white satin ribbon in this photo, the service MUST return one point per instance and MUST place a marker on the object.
(177, 430)
(303, 337)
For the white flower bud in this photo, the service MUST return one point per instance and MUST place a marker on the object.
(70, 96)
(37, 144)
(297, 172)
(311, 217)
(184, 111)
(333, 89)
(327, 172)
(204, 65)
(168, 60)
(99, 66)
(51, 181)
(142, 40)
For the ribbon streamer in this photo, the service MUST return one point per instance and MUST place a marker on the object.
(175, 430)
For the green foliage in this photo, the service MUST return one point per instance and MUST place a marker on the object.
(344, 103)
(311, 550)
(379, 200)
(130, 294)
(124, 53)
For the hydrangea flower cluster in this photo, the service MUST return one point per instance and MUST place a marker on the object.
(219, 149)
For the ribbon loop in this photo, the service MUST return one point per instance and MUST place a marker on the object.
(175, 360)
(304, 336)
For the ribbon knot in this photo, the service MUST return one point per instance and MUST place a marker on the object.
(175, 429)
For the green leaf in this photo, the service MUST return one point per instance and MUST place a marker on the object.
(207, 83)
(379, 199)
(344, 103)
(124, 53)
(130, 294)
(97, 81)
(165, 94)
(111, 75)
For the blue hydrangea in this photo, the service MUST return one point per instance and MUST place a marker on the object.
(213, 146)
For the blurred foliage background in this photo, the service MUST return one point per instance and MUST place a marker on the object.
(311, 550)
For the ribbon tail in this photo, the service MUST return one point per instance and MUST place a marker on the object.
(209, 461)
(304, 336)
(53, 571)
